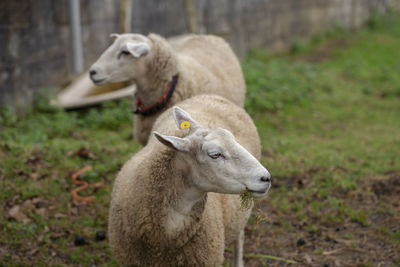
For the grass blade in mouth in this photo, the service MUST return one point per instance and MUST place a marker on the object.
(246, 199)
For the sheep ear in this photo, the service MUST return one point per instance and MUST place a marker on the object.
(138, 49)
(173, 142)
(114, 36)
(183, 119)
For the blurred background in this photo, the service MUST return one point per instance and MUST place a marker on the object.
(45, 43)
(323, 88)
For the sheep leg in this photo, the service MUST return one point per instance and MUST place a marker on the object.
(238, 251)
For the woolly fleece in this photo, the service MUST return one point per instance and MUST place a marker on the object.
(148, 185)
(205, 64)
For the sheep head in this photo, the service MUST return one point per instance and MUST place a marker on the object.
(215, 160)
(124, 60)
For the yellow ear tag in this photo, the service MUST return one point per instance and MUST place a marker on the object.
(185, 124)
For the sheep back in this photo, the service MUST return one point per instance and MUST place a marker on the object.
(135, 234)
(205, 64)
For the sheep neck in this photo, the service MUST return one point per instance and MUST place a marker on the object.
(162, 66)
(161, 103)
(178, 204)
(150, 92)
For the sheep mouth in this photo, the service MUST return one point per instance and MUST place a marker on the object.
(259, 193)
(98, 81)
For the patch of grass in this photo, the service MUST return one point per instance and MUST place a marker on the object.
(273, 83)
(358, 216)
(323, 147)
(39, 152)
(396, 236)
(299, 46)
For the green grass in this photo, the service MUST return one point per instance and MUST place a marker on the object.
(335, 124)
(39, 153)
(326, 126)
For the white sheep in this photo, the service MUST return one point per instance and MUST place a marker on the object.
(166, 73)
(176, 202)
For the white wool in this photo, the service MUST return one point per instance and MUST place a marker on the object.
(205, 64)
(165, 207)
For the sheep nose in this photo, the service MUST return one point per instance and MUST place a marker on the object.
(266, 179)
(92, 72)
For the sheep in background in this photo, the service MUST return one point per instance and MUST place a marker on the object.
(167, 73)
(176, 202)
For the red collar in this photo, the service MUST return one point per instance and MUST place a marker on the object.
(144, 110)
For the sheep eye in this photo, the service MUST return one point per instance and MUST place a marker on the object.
(123, 53)
(215, 155)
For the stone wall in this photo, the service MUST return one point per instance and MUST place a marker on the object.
(272, 24)
(35, 45)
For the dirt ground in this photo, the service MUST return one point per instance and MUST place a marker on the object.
(346, 244)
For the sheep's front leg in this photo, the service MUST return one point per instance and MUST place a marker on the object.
(238, 251)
